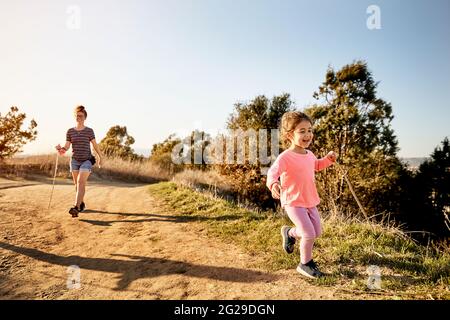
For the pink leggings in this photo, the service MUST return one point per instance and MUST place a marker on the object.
(307, 227)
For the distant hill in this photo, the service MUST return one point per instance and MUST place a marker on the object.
(413, 163)
(142, 151)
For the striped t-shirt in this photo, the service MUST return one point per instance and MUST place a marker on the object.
(80, 139)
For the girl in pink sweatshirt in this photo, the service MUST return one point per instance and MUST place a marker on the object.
(297, 190)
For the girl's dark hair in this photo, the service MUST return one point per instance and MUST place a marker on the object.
(289, 122)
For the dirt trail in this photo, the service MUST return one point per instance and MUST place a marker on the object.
(127, 247)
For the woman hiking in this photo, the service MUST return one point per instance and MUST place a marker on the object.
(82, 160)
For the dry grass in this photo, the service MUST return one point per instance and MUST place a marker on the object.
(214, 184)
(112, 168)
(202, 179)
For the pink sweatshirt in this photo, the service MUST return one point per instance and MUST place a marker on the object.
(298, 188)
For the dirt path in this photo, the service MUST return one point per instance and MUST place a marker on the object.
(127, 247)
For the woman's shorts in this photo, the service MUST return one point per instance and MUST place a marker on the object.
(76, 165)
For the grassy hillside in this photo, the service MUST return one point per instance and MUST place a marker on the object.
(345, 250)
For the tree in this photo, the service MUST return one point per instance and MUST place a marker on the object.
(118, 143)
(433, 187)
(161, 154)
(351, 120)
(12, 137)
(260, 113)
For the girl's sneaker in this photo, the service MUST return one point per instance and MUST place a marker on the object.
(74, 211)
(309, 270)
(82, 206)
(288, 241)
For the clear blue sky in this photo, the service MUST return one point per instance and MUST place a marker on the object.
(160, 67)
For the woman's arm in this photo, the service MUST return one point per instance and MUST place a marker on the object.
(63, 150)
(67, 145)
(97, 150)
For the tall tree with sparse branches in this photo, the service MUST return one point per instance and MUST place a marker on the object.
(353, 121)
(117, 143)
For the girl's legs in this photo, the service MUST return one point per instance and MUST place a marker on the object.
(81, 186)
(315, 219)
(307, 227)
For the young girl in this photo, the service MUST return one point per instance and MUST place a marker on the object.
(81, 161)
(296, 166)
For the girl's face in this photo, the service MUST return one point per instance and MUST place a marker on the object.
(80, 117)
(302, 135)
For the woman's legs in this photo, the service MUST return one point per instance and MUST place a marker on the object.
(75, 178)
(81, 186)
(307, 227)
(80, 173)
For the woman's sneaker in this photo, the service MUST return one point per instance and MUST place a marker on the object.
(288, 241)
(82, 206)
(309, 270)
(74, 211)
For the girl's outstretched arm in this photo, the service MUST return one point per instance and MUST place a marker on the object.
(326, 161)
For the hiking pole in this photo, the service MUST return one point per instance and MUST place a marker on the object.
(352, 191)
(54, 177)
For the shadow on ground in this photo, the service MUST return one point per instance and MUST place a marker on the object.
(149, 217)
(138, 267)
